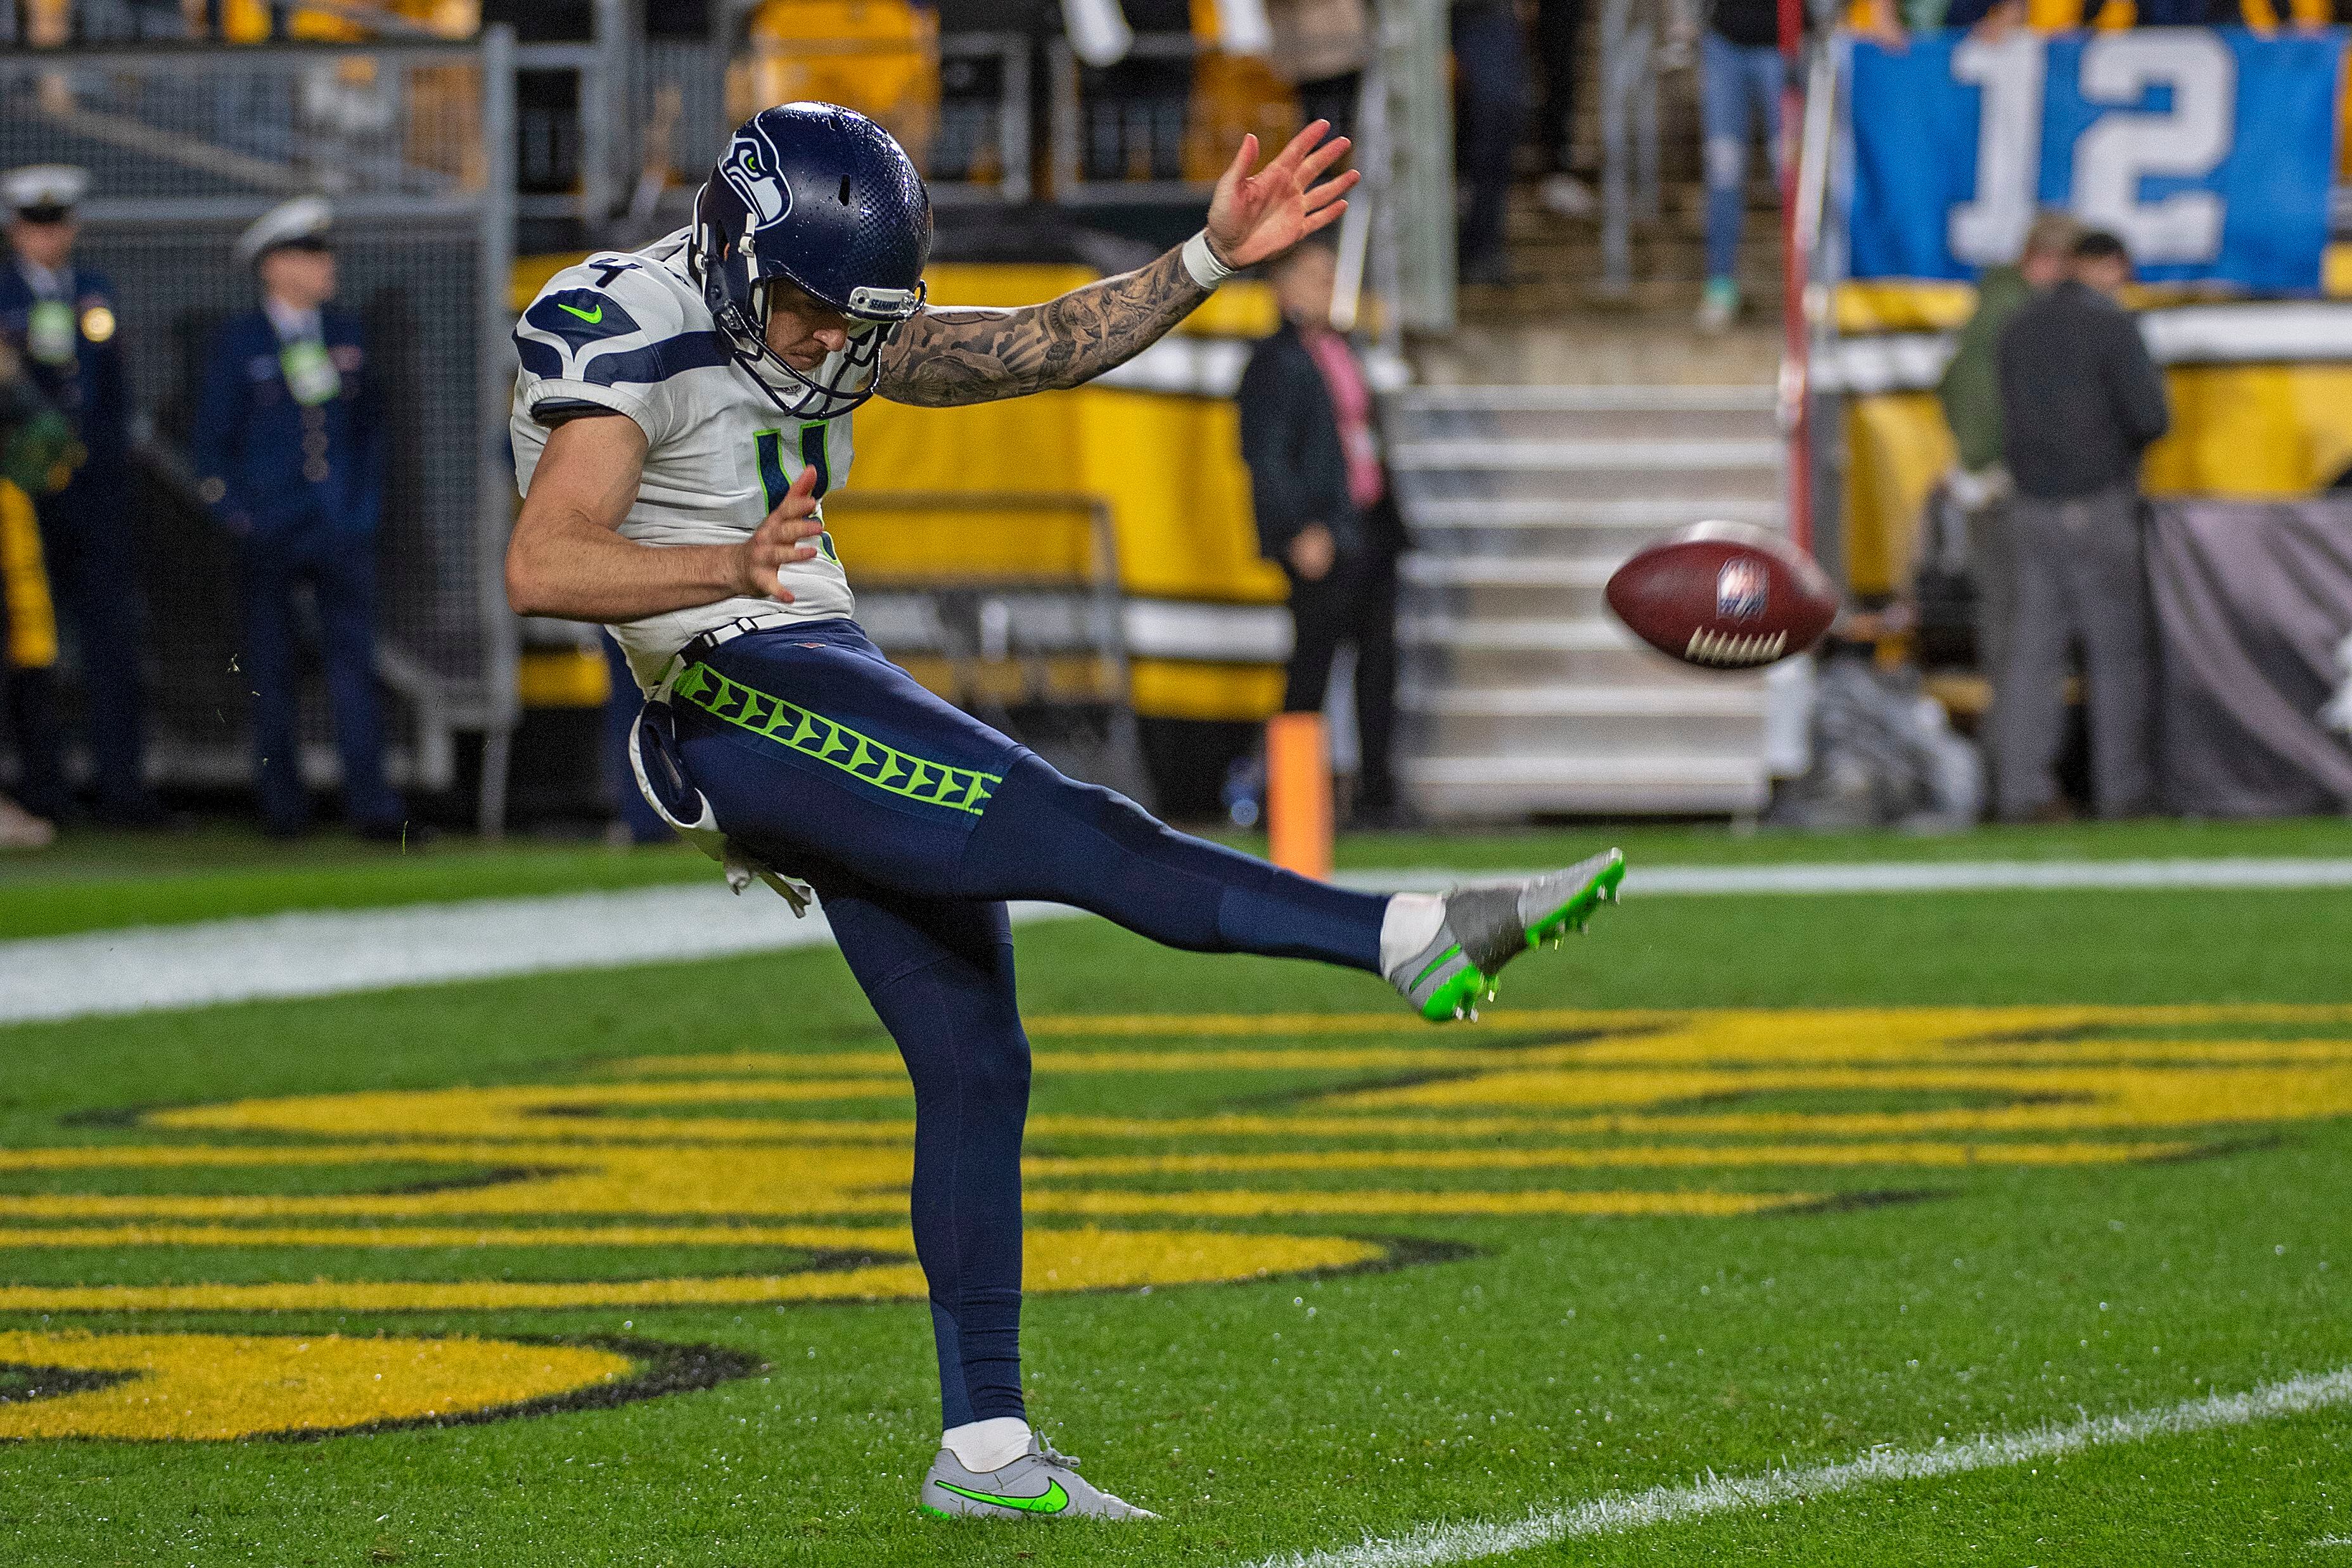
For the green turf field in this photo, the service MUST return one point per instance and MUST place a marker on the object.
(609, 1267)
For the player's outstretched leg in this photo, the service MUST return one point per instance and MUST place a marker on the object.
(1040, 1484)
(812, 746)
(1475, 931)
(1049, 837)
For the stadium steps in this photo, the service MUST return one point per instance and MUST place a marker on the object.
(1521, 694)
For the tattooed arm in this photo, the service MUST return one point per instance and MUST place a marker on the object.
(942, 358)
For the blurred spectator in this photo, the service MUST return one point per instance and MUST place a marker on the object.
(1970, 393)
(1320, 47)
(1559, 28)
(2081, 400)
(1741, 75)
(1136, 109)
(1326, 513)
(37, 453)
(60, 320)
(1489, 84)
(288, 442)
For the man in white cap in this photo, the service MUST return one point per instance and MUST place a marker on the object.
(288, 452)
(61, 321)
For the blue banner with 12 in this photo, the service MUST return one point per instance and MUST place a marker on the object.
(2208, 151)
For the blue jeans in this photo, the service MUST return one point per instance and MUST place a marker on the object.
(1739, 87)
(1491, 59)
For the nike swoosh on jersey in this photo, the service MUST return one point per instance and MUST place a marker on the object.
(579, 317)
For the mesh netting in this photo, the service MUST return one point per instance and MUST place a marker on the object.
(185, 150)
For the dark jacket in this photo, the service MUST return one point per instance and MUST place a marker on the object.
(1298, 472)
(266, 463)
(2080, 399)
(90, 391)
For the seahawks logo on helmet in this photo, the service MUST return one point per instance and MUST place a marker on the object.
(769, 217)
(764, 192)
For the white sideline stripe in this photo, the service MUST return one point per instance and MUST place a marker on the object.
(319, 952)
(1435, 1545)
(316, 953)
(1924, 877)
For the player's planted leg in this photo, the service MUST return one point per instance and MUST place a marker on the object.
(1038, 1484)
(1473, 931)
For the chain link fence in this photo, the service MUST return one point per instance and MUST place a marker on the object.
(413, 142)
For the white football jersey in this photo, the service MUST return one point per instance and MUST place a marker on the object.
(628, 331)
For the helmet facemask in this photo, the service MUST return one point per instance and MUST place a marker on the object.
(845, 378)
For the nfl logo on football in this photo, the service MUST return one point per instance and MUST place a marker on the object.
(1740, 589)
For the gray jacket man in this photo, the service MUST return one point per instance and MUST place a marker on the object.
(2081, 400)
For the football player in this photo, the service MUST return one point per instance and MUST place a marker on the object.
(679, 415)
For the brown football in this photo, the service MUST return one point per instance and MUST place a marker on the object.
(1725, 596)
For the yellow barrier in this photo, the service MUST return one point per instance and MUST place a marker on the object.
(880, 58)
(563, 677)
(2244, 431)
(32, 618)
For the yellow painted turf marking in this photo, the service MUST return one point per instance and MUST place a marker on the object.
(803, 1237)
(1673, 1081)
(1692, 1155)
(223, 1387)
(1234, 1204)
(1052, 1261)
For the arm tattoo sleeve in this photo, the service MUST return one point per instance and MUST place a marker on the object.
(944, 358)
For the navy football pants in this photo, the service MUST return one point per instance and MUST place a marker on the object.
(915, 822)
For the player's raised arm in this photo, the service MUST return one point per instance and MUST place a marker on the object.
(942, 358)
(568, 559)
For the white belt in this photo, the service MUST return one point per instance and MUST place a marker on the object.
(702, 642)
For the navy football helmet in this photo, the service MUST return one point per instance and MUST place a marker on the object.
(822, 197)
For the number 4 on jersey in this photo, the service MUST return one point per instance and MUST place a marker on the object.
(774, 481)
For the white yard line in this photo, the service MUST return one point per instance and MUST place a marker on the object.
(1433, 1546)
(1929, 876)
(330, 952)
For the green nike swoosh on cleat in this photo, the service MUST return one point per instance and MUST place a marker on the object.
(1435, 964)
(1054, 1499)
(591, 317)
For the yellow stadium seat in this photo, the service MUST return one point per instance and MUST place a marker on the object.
(880, 58)
(1233, 95)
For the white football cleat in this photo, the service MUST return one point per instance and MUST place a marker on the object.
(1040, 1484)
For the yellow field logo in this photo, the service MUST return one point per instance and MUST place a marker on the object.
(1688, 1115)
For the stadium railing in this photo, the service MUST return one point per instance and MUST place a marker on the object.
(1009, 606)
(1160, 125)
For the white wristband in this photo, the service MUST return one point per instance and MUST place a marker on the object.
(1203, 262)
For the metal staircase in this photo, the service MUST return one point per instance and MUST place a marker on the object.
(1521, 693)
